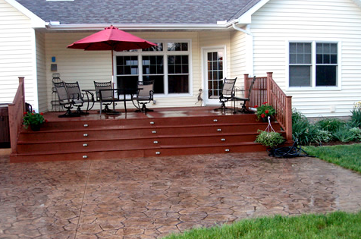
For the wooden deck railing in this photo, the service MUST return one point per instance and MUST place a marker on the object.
(16, 111)
(266, 89)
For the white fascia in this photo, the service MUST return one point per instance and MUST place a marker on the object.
(75, 27)
(36, 22)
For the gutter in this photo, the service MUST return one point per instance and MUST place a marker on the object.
(77, 27)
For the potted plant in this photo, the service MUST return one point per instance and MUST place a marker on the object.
(35, 120)
(269, 139)
(264, 111)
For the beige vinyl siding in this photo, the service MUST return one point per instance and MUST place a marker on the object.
(88, 66)
(281, 21)
(75, 65)
(238, 57)
(16, 53)
(43, 93)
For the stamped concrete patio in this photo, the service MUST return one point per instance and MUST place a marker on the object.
(152, 197)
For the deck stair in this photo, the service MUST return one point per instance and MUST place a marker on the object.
(139, 137)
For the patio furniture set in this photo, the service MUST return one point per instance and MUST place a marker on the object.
(228, 93)
(70, 95)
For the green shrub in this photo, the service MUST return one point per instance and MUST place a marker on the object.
(302, 129)
(331, 125)
(323, 136)
(356, 132)
(344, 134)
(356, 117)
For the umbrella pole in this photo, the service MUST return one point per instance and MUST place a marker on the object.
(112, 70)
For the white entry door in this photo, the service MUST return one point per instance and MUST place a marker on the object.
(213, 74)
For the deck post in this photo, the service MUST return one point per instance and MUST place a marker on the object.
(288, 118)
(246, 87)
(269, 78)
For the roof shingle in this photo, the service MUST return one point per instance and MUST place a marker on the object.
(138, 12)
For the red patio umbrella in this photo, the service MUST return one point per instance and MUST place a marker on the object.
(111, 38)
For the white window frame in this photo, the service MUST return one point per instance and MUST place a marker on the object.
(165, 53)
(313, 86)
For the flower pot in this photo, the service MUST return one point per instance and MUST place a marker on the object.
(265, 119)
(35, 127)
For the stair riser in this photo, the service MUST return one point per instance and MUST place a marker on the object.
(204, 150)
(86, 135)
(220, 129)
(104, 155)
(146, 122)
(86, 146)
(128, 144)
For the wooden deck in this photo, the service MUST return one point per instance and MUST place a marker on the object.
(164, 132)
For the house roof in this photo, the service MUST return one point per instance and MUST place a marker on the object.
(138, 12)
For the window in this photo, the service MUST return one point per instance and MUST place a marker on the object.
(167, 66)
(312, 64)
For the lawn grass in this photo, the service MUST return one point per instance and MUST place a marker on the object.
(332, 225)
(347, 156)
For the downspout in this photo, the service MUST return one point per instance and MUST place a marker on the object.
(249, 47)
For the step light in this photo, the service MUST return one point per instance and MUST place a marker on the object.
(85, 135)
(155, 142)
(223, 139)
(85, 156)
(227, 150)
(215, 120)
(85, 145)
(157, 153)
(152, 122)
(219, 130)
(86, 125)
(154, 132)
